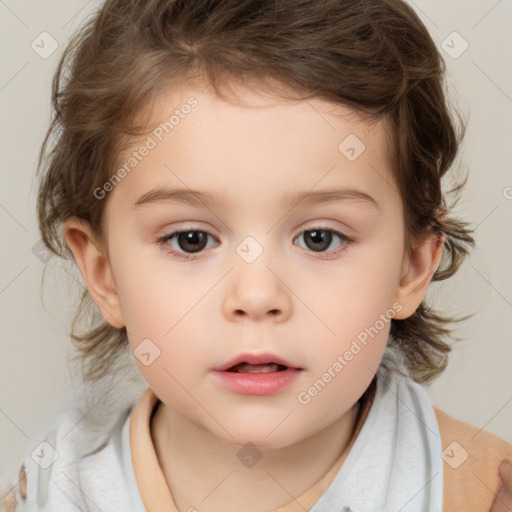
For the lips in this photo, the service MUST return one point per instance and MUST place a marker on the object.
(256, 374)
(256, 363)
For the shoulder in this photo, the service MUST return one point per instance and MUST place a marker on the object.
(471, 458)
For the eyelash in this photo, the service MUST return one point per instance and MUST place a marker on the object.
(163, 242)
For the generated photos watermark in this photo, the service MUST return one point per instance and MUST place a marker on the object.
(151, 142)
(304, 397)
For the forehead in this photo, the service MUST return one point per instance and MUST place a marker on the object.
(242, 106)
(251, 144)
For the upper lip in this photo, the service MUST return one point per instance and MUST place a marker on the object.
(254, 359)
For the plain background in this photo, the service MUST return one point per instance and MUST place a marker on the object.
(35, 379)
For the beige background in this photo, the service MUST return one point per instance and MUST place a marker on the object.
(35, 379)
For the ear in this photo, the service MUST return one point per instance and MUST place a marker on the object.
(417, 272)
(95, 269)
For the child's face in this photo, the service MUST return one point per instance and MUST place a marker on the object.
(260, 281)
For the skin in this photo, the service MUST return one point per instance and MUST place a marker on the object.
(503, 500)
(290, 301)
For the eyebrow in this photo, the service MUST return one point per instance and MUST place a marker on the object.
(290, 200)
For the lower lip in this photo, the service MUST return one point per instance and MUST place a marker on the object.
(259, 384)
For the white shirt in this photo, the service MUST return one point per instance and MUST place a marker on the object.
(394, 464)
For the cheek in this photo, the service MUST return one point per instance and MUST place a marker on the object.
(141, 292)
(164, 314)
(356, 306)
(352, 295)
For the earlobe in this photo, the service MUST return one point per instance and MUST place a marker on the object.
(417, 275)
(95, 269)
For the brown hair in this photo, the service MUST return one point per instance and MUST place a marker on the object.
(374, 56)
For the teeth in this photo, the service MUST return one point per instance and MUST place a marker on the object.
(256, 368)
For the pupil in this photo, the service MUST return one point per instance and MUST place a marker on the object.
(189, 240)
(319, 236)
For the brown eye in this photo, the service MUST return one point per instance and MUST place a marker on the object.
(192, 241)
(318, 239)
(185, 242)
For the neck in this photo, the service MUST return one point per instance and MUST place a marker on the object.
(204, 472)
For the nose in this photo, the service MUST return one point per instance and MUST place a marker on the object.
(257, 292)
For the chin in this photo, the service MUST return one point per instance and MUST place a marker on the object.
(259, 438)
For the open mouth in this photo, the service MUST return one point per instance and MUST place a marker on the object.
(264, 375)
(257, 368)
